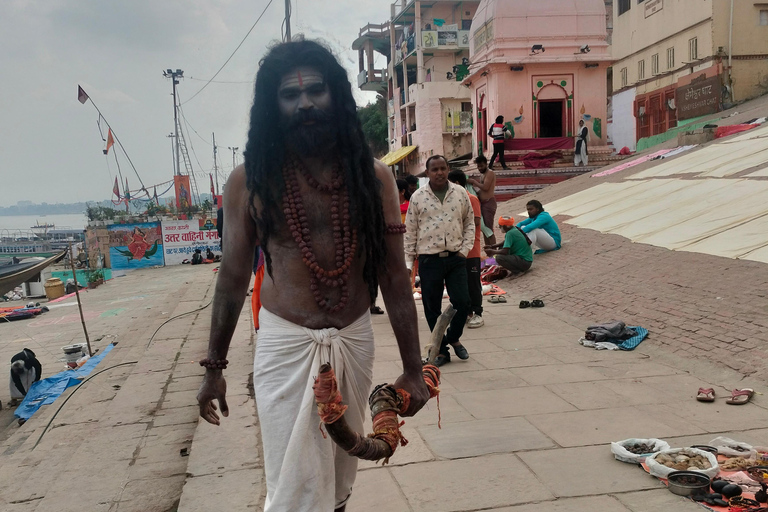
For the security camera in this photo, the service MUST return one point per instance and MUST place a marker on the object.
(584, 49)
(537, 48)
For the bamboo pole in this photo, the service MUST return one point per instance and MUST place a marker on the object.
(77, 293)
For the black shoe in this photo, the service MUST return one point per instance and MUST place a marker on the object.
(461, 352)
(442, 359)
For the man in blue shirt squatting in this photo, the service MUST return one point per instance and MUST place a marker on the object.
(540, 228)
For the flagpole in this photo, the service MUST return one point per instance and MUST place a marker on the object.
(117, 139)
(79, 304)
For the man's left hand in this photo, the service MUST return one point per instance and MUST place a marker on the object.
(415, 385)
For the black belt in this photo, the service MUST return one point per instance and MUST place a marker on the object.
(443, 254)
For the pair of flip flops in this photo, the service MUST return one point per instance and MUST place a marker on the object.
(738, 396)
(497, 299)
(536, 303)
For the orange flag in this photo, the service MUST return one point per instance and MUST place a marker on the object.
(116, 189)
(110, 141)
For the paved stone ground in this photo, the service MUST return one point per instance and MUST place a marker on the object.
(695, 305)
(116, 445)
(526, 421)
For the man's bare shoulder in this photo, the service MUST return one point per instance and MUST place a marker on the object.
(382, 172)
(237, 178)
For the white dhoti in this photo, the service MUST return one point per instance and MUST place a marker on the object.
(305, 471)
(541, 239)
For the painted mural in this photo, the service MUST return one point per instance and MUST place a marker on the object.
(133, 246)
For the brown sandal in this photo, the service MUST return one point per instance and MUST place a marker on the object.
(740, 396)
(706, 395)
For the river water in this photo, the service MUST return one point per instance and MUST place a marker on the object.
(25, 222)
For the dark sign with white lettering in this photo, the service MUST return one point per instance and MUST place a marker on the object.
(699, 98)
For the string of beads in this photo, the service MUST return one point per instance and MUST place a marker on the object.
(214, 364)
(344, 237)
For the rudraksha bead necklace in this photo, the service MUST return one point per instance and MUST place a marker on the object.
(344, 237)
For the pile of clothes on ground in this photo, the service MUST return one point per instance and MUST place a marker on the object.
(21, 312)
(613, 335)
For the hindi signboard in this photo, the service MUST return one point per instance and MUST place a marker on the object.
(701, 97)
(182, 237)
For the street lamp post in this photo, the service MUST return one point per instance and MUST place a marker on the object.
(175, 76)
(234, 153)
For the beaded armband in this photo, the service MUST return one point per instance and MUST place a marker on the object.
(214, 364)
(394, 229)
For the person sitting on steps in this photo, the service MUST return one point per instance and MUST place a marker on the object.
(514, 254)
(540, 228)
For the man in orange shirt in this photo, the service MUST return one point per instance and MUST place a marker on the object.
(475, 319)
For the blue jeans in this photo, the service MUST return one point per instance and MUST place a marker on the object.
(451, 272)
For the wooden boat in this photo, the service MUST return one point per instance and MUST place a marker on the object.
(13, 275)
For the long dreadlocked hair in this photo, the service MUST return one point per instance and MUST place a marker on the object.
(265, 152)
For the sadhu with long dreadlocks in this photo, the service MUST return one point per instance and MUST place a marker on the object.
(327, 217)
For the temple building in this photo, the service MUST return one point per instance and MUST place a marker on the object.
(426, 44)
(542, 64)
(676, 61)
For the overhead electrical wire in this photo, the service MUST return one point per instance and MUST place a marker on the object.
(233, 53)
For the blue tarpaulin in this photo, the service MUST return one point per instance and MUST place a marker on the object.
(46, 391)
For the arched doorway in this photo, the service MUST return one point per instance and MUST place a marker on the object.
(552, 118)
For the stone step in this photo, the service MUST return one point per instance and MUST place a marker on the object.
(230, 472)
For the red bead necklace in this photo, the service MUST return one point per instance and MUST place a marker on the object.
(344, 237)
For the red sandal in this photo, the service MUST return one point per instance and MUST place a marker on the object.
(706, 395)
(740, 396)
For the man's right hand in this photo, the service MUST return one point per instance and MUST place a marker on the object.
(214, 387)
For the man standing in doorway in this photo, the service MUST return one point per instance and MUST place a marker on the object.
(440, 231)
(326, 216)
(486, 192)
(499, 133)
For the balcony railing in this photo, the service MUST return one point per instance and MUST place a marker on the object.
(379, 77)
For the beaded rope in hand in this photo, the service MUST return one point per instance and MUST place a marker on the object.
(214, 364)
(394, 229)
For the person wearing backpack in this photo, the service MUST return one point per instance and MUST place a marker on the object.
(499, 133)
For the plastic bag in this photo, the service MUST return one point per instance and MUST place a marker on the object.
(730, 448)
(661, 471)
(621, 453)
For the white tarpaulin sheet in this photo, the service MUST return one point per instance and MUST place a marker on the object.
(742, 241)
(759, 173)
(641, 204)
(592, 198)
(745, 200)
(758, 255)
(719, 159)
(723, 217)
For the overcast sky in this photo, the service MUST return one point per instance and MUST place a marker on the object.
(50, 147)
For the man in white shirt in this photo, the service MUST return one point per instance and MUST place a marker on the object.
(440, 231)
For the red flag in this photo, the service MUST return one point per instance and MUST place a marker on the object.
(82, 97)
(116, 189)
(110, 141)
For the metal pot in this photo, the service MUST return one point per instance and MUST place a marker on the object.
(683, 488)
